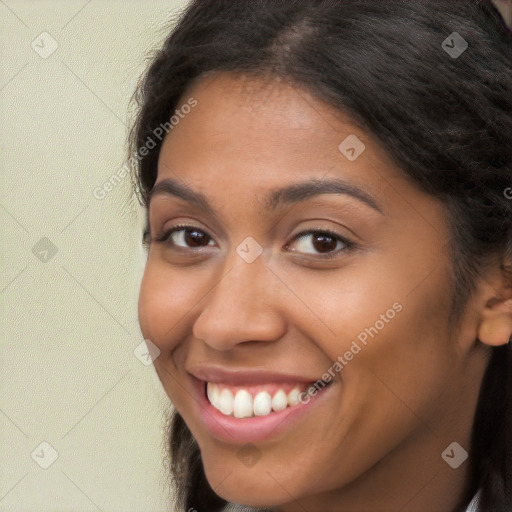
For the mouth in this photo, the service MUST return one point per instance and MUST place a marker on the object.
(258, 400)
(245, 413)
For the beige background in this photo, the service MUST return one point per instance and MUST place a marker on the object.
(68, 321)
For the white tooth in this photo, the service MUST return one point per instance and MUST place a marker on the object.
(212, 391)
(225, 402)
(293, 397)
(262, 404)
(242, 407)
(279, 401)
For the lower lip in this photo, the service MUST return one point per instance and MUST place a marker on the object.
(258, 428)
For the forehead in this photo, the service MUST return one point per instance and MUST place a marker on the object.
(264, 130)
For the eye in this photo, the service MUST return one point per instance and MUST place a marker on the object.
(184, 237)
(321, 242)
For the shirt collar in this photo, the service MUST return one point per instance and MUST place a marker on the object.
(473, 505)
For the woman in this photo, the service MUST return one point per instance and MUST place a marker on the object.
(329, 280)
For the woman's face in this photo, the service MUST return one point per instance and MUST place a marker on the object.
(360, 299)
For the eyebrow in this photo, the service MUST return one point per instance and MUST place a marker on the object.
(285, 195)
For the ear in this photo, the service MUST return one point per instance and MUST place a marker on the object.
(505, 9)
(495, 327)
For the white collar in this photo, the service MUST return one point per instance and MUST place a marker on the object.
(231, 507)
(473, 506)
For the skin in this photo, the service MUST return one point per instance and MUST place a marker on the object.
(376, 444)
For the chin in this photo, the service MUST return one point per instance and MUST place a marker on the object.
(250, 487)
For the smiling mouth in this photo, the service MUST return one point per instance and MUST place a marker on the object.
(259, 400)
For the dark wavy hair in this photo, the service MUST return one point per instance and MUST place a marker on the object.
(446, 123)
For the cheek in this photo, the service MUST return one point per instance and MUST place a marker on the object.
(397, 353)
(166, 297)
(399, 320)
(395, 383)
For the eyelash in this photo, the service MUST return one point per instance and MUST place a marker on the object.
(165, 237)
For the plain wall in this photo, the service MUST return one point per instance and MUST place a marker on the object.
(68, 321)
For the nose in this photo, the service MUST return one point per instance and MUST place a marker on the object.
(243, 305)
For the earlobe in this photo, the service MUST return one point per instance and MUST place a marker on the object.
(495, 327)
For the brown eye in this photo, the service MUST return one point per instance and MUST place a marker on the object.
(321, 243)
(194, 237)
(324, 243)
(185, 237)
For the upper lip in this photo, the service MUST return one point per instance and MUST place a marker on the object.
(244, 376)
